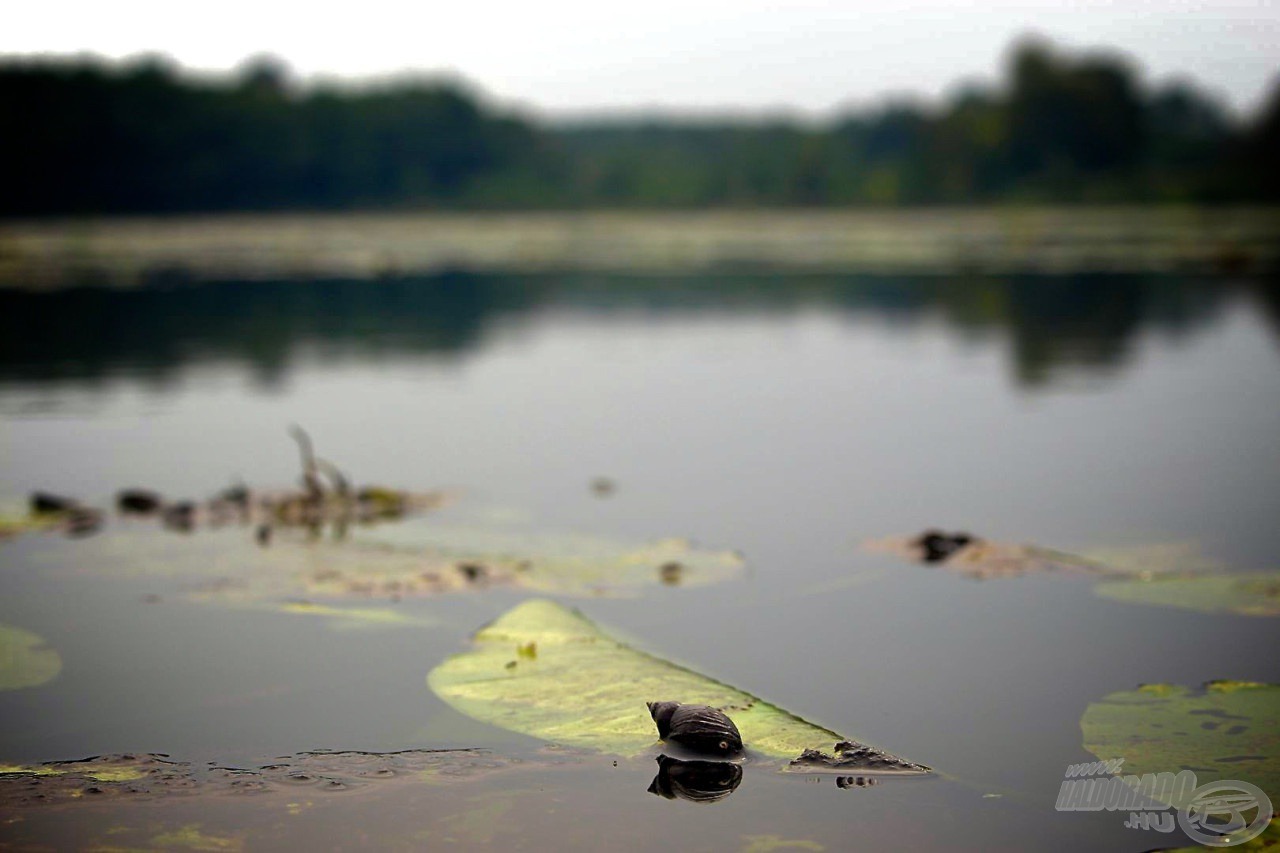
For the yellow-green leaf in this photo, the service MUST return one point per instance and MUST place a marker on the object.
(586, 689)
(26, 660)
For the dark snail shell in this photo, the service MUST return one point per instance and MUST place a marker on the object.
(699, 728)
(695, 781)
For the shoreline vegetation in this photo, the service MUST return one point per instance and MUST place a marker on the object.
(996, 240)
(86, 137)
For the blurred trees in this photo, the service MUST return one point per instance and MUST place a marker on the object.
(83, 137)
(141, 138)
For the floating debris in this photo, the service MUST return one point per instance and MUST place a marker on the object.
(854, 756)
(138, 502)
(54, 512)
(983, 559)
(43, 503)
(337, 505)
(155, 775)
(978, 558)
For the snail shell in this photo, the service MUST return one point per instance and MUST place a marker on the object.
(700, 728)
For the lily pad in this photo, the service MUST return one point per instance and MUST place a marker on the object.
(1155, 558)
(1268, 840)
(585, 689)
(355, 618)
(428, 559)
(1243, 594)
(1225, 730)
(417, 559)
(26, 660)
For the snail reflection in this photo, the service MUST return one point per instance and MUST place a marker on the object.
(856, 781)
(695, 781)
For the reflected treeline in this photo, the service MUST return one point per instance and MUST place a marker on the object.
(158, 332)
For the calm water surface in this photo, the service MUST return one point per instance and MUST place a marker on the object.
(788, 419)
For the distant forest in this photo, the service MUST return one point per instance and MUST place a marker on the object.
(83, 137)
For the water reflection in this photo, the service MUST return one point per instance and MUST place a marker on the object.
(695, 781)
(1055, 326)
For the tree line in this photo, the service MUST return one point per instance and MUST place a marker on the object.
(83, 136)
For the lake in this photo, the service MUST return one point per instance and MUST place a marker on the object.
(790, 419)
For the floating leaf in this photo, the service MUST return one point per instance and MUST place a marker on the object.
(415, 560)
(1268, 840)
(585, 689)
(1155, 558)
(1243, 594)
(355, 618)
(428, 558)
(26, 660)
(1225, 730)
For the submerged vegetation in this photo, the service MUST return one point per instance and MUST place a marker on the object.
(143, 138)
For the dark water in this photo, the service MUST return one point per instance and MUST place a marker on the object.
(788, 419)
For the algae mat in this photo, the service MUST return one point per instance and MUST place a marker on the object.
(545, 670)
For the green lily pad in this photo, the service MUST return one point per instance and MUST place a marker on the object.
(582, 688)
(1268, 840)
(26, 660)
(1242, 594)
(1225, 730)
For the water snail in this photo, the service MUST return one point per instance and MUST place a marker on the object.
(699, 728)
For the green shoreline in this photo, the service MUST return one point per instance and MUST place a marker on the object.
(127, 251)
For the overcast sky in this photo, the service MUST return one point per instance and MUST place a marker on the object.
(571, 55)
